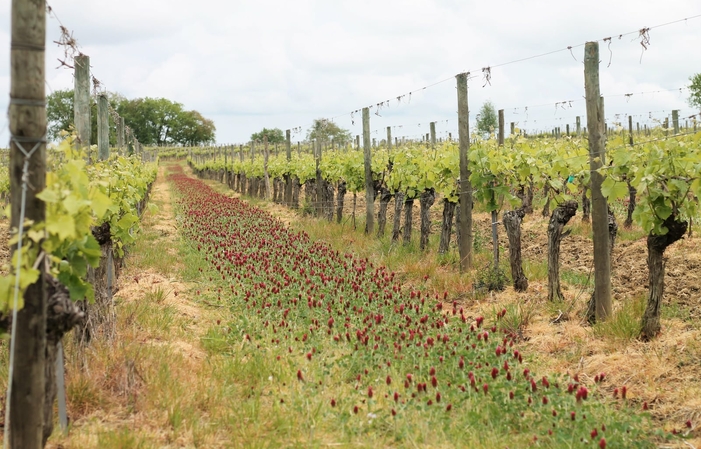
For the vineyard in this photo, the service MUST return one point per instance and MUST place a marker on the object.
(529, 289)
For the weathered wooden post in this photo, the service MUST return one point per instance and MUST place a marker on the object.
(500, 136)
(579, 126)
(266, 176)
(597, 159)
(120, 135)
(675, 120)
(432, 127)
(630, 130)
(369, 189)
(465, 190)
(27, 123)
(81, 99)
(103, 128)
(389, 137)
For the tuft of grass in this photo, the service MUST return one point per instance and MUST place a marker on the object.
(536, 270)
(576, 278)
(122, 439)
(624, 325)
(517, 318)
(158, 295)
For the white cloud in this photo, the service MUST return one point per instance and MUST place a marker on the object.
(254, 63)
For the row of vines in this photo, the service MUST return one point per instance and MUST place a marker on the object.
(658, 181)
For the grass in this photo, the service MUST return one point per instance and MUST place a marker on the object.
(624, 325)
(178, 379)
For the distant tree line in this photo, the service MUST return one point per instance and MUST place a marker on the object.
(154, 121)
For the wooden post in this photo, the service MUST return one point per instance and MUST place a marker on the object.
(665, 125)
(319, 204)
(630, 130)
(513, 128)
(120, 135)
(675, 120)
(103, 128)
(27, 123)
(637, 127)
(389, 137)
(450, 136)
(369, 189)
(465, 190)
(253, 150)
(567, 129)
(432, 127)
(579, 126)
(597, 159)
(357, 142)
(81, 99)
(266, 176)
(501, 127)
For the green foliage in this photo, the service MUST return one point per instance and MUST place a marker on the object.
(154, 121)
(491, 279)
(274, 135)
(78, 197)
(667, 176)
(59, 112)
(325, 130)
(487, 120)
(158, 121)
(695, 91)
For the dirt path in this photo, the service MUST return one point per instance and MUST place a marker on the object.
(139, 390)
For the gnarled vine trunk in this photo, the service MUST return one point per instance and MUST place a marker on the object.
(385, 197)
(559, 218)
(446, 226)
(656, 246)
(632, 193)
(586, 206)
(408, 209)
(396, 222)
(328, 200)
(512, 224)
(296, 187)
(546, 194)
(340, 199)
(426, 200)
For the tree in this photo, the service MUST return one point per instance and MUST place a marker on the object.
(59, 112)
(695, 91)
(193, 129)
(487, 120)
(154, 121)
(325, 130)
(274, 135)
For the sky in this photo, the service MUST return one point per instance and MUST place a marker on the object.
(249, 64)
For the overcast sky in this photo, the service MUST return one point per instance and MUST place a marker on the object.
(249, 64)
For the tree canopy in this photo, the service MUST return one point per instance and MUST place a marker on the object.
(274, 135)
(325, 130)
(487, 120)
(695, 91)
(154, 121)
